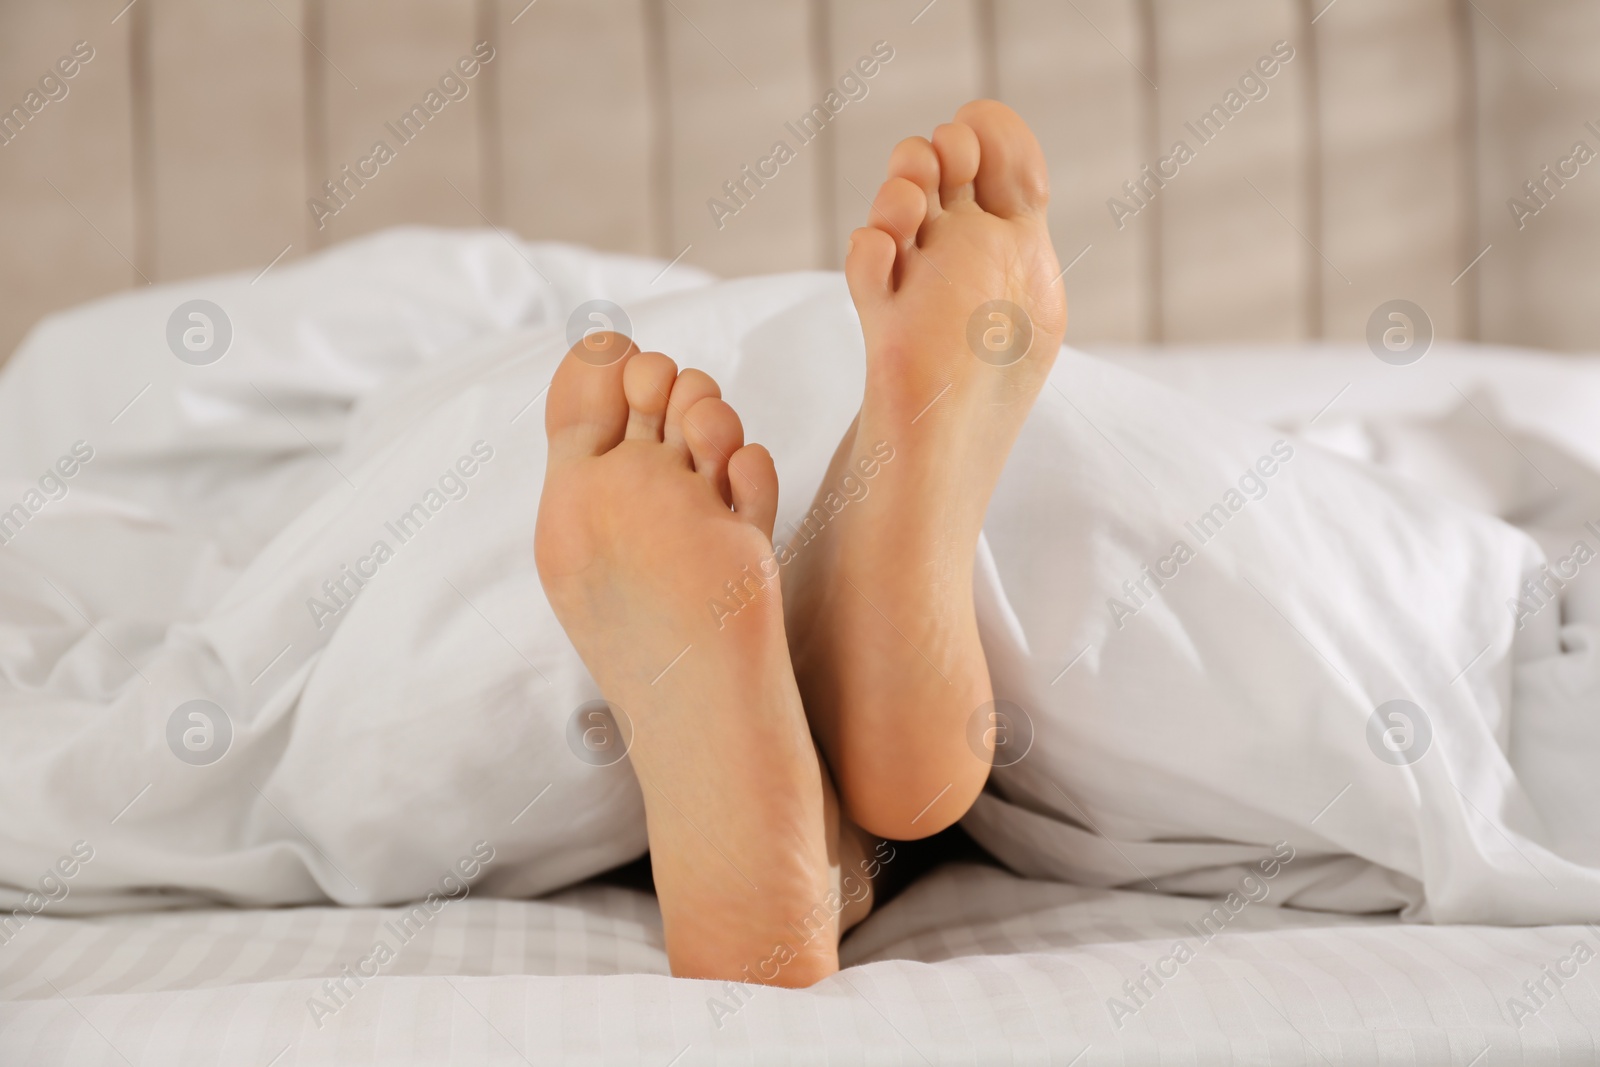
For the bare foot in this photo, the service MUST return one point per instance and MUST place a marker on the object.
(879, 591)
(652, 502)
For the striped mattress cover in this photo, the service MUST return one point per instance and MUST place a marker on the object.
(969, 965)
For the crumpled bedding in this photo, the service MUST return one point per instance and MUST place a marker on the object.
(324, 538)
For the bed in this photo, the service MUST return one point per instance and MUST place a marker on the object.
(971, 963)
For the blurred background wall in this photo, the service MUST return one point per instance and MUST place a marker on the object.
(1382, 160)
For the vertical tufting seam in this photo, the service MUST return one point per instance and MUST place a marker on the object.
(1311, 172)
(491, 172)
(826, 167)
(314, 90)
(988, 43)
(659, 81)
(142, 122)
(1149, 138)
(1469, 295)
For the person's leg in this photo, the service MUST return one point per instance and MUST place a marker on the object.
(652, 501)
(879, 592)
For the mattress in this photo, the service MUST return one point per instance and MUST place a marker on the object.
(969, 965)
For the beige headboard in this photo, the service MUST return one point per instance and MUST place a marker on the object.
(1376, 163)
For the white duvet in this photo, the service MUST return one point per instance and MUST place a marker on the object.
(325, 536)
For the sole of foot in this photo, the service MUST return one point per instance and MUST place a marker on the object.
(962, 310)
(653, 503)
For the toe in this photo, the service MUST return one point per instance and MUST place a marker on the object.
(1012, 179)
(586, 412)
(915, 160)
(899, 210)
(869, 267)
(957, 147)
(691, 387)
(754, 481)
(647, 383)
(714, 433)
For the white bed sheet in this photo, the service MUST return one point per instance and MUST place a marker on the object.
(970, 965)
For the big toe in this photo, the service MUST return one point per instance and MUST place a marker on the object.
(1012, 178)
(587, 410)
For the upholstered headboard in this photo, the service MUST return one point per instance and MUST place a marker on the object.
(1379, 152)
